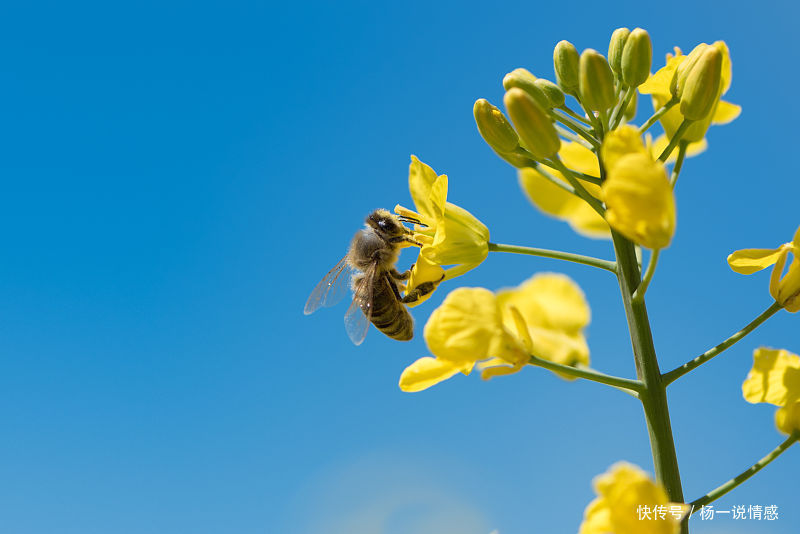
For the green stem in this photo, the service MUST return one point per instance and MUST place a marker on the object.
(575, 127)
(715, 494)
(654, 395)
(588, 374)
(619, 111)
(657, 115)
(567, 134)
(580, 175)
(554, 180)
(675, 139)
(574, 115)
(676, 170)
(678, 372)
(579, 189)
(555, 254)
(638, 295)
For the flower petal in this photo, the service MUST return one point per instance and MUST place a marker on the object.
(462, 329)
(423, 270)
(751, 260)
(427, 372)
(787, 419)
(725, 113)
(420, 181)
(774, 378)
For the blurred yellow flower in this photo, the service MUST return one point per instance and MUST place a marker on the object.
(658, 85)
(452, 236)
(775, 379)
(639, 200)
(622, 493)
(555, 312)
(465, 329)
(475, 326)
(558, 203)
(785, 289)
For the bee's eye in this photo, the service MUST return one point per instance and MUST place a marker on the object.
(383, 224)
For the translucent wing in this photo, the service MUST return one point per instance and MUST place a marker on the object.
(357, 318)
(331, 289)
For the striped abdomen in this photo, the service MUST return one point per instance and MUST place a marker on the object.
(389, 315)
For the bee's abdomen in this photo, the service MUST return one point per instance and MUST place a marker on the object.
(389, 315)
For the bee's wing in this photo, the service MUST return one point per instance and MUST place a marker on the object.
(331, 289)
(357, 318)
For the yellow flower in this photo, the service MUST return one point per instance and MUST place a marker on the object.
(658, 85)
(785, 289)
(558, 203)
(555, 312)
(475, 326)
(465, 329)
(451, 236)
(775, 379)
(638, 196)
(621, 491)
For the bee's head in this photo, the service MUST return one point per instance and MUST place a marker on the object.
(385, 223)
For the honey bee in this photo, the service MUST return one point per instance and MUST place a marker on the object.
(369, 270)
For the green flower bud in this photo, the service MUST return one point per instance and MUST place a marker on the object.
(494, 127)
(555, 97)
(682, 72)
(596, 81)
(615, 48)
(637, 58)
(533, 124)
(702, 87)
(523, 79)
(630, 109)
(565, 61)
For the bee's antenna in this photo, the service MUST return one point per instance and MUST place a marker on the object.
(404, 218)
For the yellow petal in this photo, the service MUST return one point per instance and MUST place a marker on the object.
(462, 329)
(787, 419)
(427, 372)
(658, 83)
(548, 300)
(621, 142)
(621, 491)
(639, 199)
(460, 238)
(774, 378)
(751, 260)
(725, 113)
(554, 201)
(788, 291)
(420, 182)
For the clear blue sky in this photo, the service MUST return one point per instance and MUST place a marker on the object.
(178, 176)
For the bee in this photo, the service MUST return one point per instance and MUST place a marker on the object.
(369, 270)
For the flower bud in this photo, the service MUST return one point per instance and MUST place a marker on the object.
(565, 61)
(637, 57)
(701, 90)
(615, 48)
(523, 79)
(596, 81)
(555, 97)
(533, 124)
(494, 128)
(630, 109)
(682, 71)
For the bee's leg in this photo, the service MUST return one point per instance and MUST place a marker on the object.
(397, 275)
(420, 291)
(393, 285)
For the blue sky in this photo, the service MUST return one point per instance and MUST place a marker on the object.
(178, 176)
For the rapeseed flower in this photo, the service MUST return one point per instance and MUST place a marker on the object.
(775, 379)
(451, 236)
(621, 492)
(637, 193)
(785, 289)
(497, 332)
(660, 87)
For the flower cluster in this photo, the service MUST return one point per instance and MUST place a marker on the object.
(775, 379)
